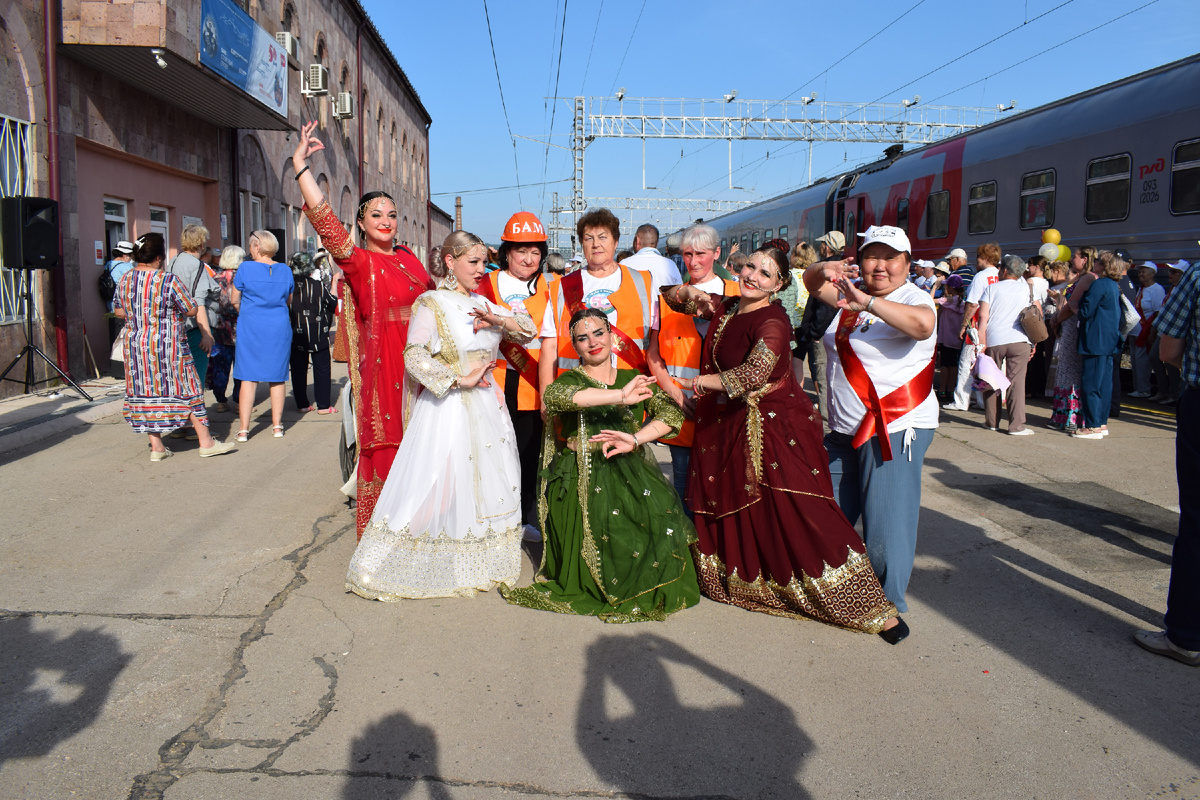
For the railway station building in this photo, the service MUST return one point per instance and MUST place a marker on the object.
(148, 115)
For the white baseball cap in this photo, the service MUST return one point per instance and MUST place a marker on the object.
(1180, 265)
(923, 264)
(957, 252)
(890, 235)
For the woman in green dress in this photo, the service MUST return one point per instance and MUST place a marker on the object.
(616, 544)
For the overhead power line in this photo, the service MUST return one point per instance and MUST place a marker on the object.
(557, 74)
(632, 34)
(500, 86)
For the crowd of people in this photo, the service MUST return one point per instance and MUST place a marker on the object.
(508, 394)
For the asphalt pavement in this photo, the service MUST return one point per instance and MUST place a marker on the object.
(180, 630)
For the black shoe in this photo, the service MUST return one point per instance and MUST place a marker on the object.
(895, 634)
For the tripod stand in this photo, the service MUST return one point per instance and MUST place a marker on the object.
(30, 350)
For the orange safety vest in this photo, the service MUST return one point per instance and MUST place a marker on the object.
(680, 345)
(524, 358)
(631, 300)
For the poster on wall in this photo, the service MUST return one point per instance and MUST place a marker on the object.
(239, 50)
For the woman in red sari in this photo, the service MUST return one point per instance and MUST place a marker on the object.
(383, 285)
(771, 535)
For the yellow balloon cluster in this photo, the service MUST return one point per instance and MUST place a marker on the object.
(1052, 248)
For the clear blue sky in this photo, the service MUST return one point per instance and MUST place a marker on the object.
(764, 50)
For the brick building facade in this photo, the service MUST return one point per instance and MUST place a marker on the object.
(149, 138)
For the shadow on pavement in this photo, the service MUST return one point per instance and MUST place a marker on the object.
(1033, 612)
(705, 733)
(1051, 519)
(52, 688)
(390, 758)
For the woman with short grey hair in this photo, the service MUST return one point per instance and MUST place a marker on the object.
(1002, 338)
(220, 358)
(262, 293)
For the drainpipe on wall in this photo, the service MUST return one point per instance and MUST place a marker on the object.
(55, 189)
(361, 110)
(235, 181)
(428, 198)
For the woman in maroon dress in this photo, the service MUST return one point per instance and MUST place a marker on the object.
(383, 285)
(771, 536)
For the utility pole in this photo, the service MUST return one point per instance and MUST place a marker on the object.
(458, 213)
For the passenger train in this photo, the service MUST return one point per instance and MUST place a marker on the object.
(1116, 166)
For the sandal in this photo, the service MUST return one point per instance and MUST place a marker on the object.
(330, 410)
(243, 436)
(277, 431)
(307, 409)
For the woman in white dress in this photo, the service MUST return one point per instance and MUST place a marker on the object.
(448, 520)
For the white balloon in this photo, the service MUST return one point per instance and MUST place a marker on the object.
(1049, 252)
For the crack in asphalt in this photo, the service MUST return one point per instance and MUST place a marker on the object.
(173, 752)
(8, 614)
(444, 781)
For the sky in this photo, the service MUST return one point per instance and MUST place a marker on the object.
(502, 143)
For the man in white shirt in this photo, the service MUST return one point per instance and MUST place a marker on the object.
(646, 258)
(987, 257)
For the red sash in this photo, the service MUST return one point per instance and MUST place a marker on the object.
(1147, 322)
(572, 289)
(892, 406)
(516, 355)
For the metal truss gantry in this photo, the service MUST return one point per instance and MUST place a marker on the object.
(804, 120)
(670, 204)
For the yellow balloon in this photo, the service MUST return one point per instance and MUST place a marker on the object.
(1064, 252)
(1051, 236)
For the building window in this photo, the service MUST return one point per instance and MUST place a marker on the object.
(783, 232)
(1185, 178)
(1108, 189)
(937, 216)
(981, 208)
(902, 214)
(160, 222)
(1037, 200)
(15, 179)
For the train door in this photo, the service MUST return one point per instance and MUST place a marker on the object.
(853, 223)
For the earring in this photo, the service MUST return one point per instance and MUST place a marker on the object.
(451, 281)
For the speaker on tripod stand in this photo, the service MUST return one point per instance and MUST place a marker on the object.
(30, 232)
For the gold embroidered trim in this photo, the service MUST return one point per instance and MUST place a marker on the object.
(848, 596)
(329, 228)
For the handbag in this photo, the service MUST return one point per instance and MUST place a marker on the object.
(1130, 318)
(1033, 322)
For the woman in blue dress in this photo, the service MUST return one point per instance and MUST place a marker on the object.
(262, 292)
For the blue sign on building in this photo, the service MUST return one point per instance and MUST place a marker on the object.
(235, 47)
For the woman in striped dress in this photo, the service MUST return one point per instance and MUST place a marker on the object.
(162, 389)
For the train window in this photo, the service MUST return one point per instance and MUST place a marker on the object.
(754, 241)
(767, 236)
(744, 250)
(902, 214)
(1037, 199)
(723, 246)
(937, 216)
(851, 228)
(1108, 189)
(981, 208)
(1185, 178)
(783, 232)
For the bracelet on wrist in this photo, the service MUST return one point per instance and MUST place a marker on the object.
(301, 172)
(635, 441)
(870, 303)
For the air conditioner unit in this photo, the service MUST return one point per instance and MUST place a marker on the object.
(289, 44)
(344, 108)
(318, 80)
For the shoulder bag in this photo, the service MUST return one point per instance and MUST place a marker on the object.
(1033, 322)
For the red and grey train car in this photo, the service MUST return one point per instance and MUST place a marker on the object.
(1116, 166)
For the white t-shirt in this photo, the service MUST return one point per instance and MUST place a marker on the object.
(1041, 289)
(1154, 297)
(983, 279)
(1006, 300)
(514, 291)
(890, 358)
(663, 271)
(595, 295)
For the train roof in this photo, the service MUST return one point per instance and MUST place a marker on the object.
(1178, 87)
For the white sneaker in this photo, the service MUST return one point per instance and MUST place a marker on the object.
(1022, 432)
(1157, 642)
(1139, 395)
(953, 407)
